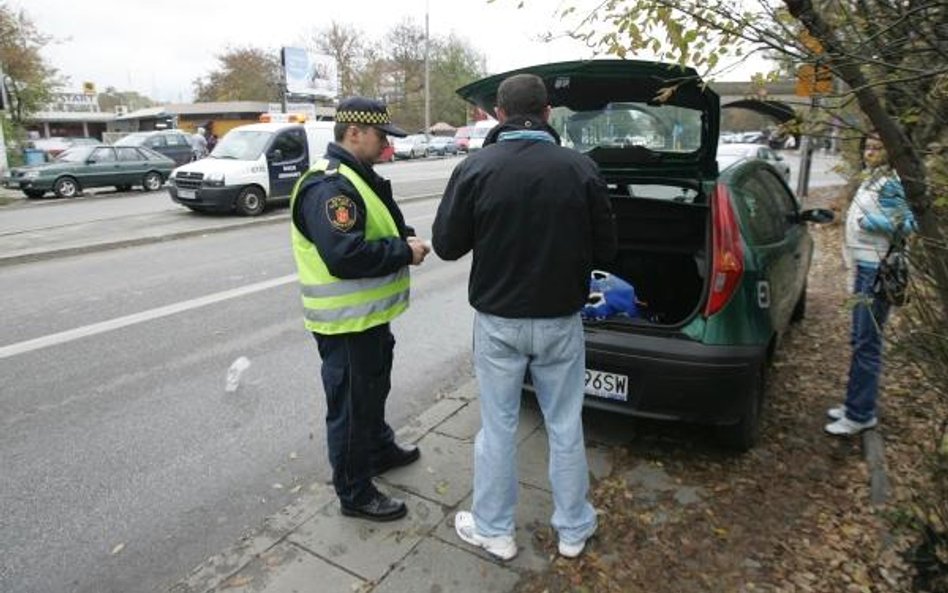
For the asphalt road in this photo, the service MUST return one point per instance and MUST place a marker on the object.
(118, 431)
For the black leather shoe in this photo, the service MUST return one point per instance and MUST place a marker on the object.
(395, 456)
(379, 508)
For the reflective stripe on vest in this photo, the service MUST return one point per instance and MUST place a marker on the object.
(334, 305)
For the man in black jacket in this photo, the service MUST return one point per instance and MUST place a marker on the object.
(537, 216)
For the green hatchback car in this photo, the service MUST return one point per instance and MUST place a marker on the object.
(84, 167)
(718, 259)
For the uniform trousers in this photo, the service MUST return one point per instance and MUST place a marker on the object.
(356, 374)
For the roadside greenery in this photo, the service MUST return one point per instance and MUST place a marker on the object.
(888, 63)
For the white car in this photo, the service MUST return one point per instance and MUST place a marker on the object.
(410, 147)
(729, 154)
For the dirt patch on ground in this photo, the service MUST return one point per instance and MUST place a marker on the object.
(792, 515)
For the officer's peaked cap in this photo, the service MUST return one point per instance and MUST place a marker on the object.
(370, 112)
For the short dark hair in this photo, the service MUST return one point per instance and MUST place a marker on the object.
(522, 94)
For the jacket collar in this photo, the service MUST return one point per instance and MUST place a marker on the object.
(518, 123)
(338, 152)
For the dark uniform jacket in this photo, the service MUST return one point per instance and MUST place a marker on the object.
(537, 217)
(343, 248)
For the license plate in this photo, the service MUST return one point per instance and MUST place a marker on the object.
(607, 385)
(187, 194)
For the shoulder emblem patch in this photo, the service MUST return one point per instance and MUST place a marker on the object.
(341, 212)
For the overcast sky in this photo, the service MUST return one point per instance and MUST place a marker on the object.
(158, 47)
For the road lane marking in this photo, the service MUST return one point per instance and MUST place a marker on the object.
(149, 315)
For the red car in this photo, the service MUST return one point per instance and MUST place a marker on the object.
(462, 137)
(388, 153)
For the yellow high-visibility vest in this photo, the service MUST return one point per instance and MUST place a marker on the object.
(336, 306)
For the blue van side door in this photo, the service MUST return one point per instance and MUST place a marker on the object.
(287, 160)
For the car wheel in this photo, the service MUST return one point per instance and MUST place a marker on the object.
(152, 181)
(251, 201)
(744, 434)
(34, 194)
(66, 187)
(799, 310)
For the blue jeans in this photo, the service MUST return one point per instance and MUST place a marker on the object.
(869, 315)
(554, 352)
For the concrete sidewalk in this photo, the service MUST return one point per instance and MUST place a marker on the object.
(310, 546)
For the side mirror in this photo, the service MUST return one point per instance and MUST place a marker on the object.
(817, 215)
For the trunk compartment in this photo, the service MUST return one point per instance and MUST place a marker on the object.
(663, 251)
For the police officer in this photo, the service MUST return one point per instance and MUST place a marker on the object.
(352, 249)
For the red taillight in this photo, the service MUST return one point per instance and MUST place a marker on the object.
(727, 264)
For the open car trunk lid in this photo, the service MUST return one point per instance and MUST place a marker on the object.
(631, 117)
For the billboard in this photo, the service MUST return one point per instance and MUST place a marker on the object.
(309, 74)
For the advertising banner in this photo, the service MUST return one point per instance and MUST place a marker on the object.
(310, 74)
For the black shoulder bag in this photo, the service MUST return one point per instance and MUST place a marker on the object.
(892, 279)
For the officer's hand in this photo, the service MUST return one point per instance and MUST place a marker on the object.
(419, 249)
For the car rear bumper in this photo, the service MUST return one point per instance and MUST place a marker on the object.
(207, 198)
(675, 377)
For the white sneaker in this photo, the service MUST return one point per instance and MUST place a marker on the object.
(846, 427)
(573, 550)
(837, 412)
(502, 546)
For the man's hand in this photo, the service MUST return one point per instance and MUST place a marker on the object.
(419, 249)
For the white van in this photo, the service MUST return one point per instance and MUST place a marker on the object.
(251, 167)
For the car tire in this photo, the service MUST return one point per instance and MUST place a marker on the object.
(66, 187)
(743, 435)
(251, 201)
(33, 194)
(799, 310)
(152, 181)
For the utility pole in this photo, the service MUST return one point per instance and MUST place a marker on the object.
(5, 105)
(427, 78)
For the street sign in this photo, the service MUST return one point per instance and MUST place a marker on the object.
(813, 80)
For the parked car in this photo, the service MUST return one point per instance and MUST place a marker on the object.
(478, 135)
(171, 143)
(54, 145)
(728, 154)
(442, 145)
(718, 261)
(410, 147)
(388, 153)
(462, 136)
(83, 167)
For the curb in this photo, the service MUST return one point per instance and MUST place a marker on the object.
(874, 451)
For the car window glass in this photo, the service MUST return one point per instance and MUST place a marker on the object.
(127, 153)
(155, 142)
(761, 210)
(103, 155)
(175, 140)
(783, 196)
(290, 144)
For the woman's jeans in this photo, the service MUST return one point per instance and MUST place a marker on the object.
(554, 352)
(869, 315)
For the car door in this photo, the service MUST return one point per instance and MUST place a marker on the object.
(286, 161)
(132, 165)
(101, 168)
(765, 220)
(178, 148)
(795, 232)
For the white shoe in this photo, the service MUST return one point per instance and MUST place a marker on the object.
(836, 412)
(846, 427)
(573, 550)
(502, 546)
